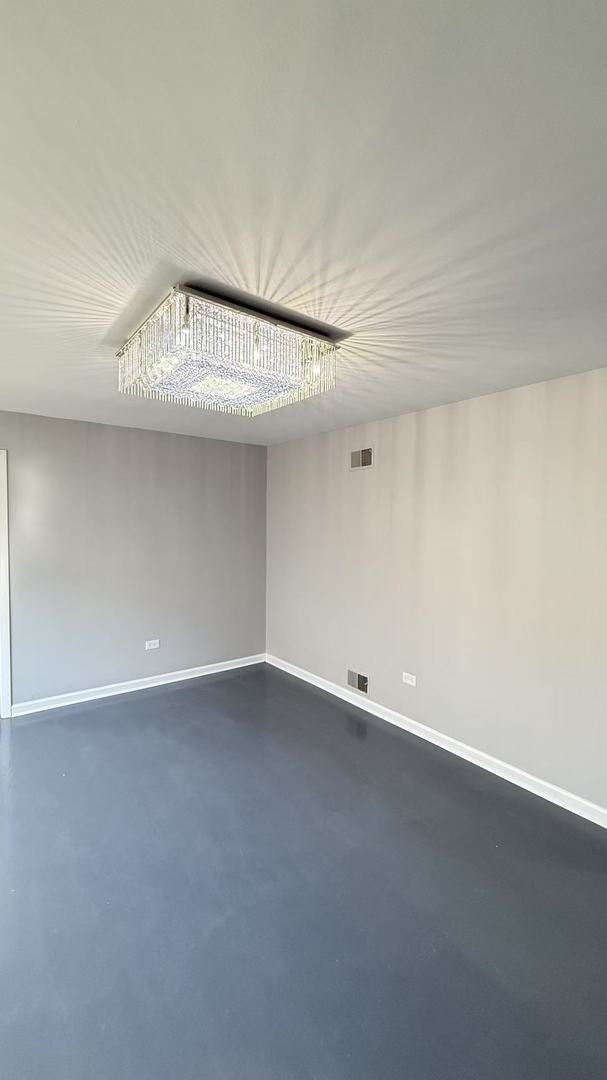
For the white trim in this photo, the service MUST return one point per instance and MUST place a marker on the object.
(5, 612)
(23, 708)
(566, 799)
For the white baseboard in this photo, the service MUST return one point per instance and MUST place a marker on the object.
(566, 799)
(78, 696)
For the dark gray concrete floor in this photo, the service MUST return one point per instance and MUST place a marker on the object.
(242, 878)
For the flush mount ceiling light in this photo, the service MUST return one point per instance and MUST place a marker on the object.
(197, 350)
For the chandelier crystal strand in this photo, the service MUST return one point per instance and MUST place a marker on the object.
(195, 351)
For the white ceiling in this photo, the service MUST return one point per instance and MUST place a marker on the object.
(430, 176)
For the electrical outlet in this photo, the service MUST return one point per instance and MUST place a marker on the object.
(410, 680)
(153, 644)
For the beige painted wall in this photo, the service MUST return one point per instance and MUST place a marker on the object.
(119, 535)
(473, 554)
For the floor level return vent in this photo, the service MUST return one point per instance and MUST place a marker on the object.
(359, 682)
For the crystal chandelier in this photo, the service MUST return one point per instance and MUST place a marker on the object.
(194, 350)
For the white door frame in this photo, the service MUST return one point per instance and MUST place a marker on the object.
(5, 611)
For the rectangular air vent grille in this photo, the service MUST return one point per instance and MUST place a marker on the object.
(361, 459)
(359, 682)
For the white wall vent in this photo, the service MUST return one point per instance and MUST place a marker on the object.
(359, 682)
(361, 459)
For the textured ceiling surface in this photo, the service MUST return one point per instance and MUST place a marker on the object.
(429, 176)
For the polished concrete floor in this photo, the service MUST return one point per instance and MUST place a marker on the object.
(242, 878)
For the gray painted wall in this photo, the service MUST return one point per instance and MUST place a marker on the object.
(120, 535)
(474, 554)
